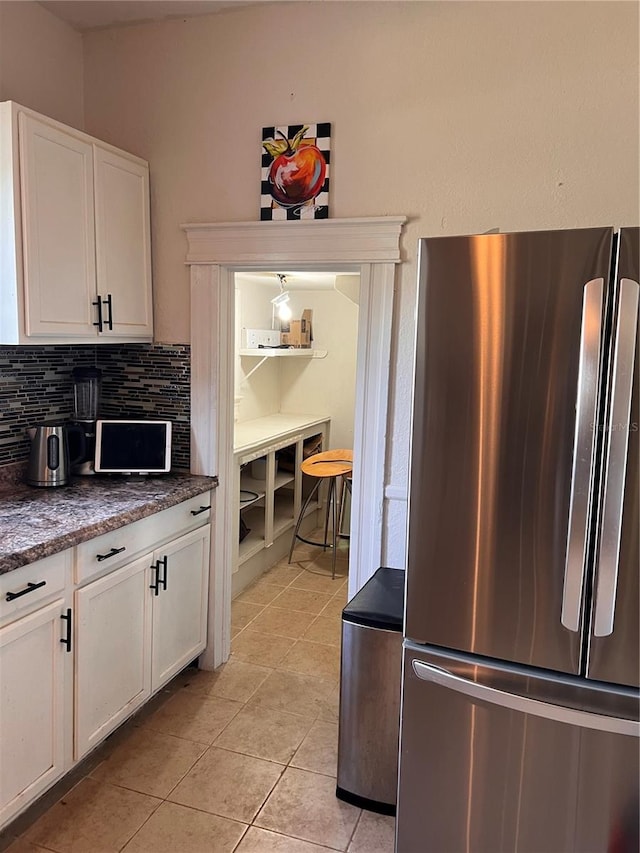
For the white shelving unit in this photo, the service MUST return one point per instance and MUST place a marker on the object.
(271, 515)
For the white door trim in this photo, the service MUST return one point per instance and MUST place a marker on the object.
(370, 246)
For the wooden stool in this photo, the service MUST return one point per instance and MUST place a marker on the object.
(329, 465)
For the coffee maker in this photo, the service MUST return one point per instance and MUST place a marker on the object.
(86, 397)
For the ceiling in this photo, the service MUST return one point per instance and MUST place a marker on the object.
(85, 15)
(295, 280)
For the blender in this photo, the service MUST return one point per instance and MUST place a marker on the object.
(86, 395)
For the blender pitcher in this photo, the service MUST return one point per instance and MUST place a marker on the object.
(86, 398)
(86, 393)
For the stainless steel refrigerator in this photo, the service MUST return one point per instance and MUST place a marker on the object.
(519, 721)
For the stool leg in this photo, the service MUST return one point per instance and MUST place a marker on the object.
(335, 530)
(341, 504)
(326, 513)
(343, 493)
(331, 497)
(301, 516)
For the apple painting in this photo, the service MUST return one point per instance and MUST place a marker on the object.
(295, 172)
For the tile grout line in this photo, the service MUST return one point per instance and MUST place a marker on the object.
(143, 823)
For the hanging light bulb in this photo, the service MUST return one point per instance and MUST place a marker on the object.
(280, 302)
(284, 311)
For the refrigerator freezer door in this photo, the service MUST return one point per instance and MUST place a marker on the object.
(615, 643)
(492, 758)
(498, 358)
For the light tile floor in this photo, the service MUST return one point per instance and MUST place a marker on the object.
(242, 759)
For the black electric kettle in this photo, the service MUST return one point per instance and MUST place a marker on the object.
(49, 463)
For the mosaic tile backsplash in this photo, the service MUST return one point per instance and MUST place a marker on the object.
(142, 380)
(139, 380)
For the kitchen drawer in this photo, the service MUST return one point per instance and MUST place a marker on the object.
(48, 577)
(118, 547)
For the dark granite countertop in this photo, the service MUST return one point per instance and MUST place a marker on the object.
(35, 523)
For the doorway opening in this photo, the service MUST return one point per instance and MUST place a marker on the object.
(295, 367)
(216, 251)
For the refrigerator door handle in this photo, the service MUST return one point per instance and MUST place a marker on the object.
(514, 702)
(617, 446)
(583, 452)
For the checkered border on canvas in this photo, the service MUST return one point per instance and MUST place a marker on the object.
(320, 136)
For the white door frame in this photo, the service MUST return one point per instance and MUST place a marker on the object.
(216, 251)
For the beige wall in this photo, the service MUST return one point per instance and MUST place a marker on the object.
(40, 62)
(315, 386)
(259, 394)
(325, 385)
(463, 116)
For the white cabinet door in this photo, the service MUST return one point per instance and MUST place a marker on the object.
(123, 249)
(113, 631)
(32, 690)
(58, 231)
(180, 604)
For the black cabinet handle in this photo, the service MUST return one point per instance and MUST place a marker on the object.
(30, 587)
(163, 580)
(158, 580)
(99, 306)
(109, 303)
(155, 586)
(201, 510)
(67, 618)
(112, 553)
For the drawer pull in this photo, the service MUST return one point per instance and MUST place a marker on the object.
(67, 618)
(30, 587)
(202, 509)
(112, 553)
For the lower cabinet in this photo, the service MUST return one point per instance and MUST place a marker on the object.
(87, 635)
(179, 618)
(34, 680)
(136, 628)
(113, 637)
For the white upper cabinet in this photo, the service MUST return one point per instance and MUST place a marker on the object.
(123, 257)
(75, 253)
(58, 237)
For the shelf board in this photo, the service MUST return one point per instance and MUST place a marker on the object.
(245, 504)
(283, 478)
(279, 353)
(250, 485)
(253, 485)
(253, 541)
(250, 545)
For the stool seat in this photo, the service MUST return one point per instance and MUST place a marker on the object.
(331, 465)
